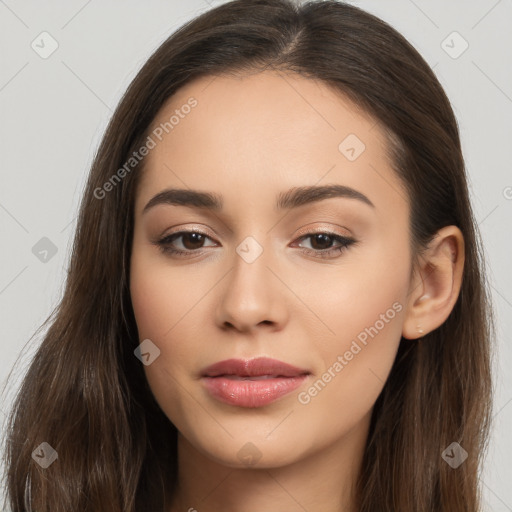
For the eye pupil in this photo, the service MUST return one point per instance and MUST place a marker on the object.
(198, 238)
(321, 237)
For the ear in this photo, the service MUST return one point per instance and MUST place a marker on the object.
(436, 284)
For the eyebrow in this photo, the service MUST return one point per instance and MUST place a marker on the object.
(293, 198)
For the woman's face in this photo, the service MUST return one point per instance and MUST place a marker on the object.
(281, 268)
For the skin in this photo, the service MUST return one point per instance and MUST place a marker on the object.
(248, 139)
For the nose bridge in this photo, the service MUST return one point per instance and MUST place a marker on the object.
(252, 294)
(251, 277)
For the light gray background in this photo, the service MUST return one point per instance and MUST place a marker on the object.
(54, 111)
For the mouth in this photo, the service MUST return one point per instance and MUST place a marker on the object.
(258, 367)
(252, 383)
(253, 377)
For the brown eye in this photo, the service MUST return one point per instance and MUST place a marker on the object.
(321, 241)
(183, 243)
(192, 240)
(321, 244)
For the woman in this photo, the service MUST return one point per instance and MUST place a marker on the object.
(276, 298)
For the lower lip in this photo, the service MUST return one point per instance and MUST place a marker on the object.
(251, 393)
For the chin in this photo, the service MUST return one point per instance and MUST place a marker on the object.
(247, 450)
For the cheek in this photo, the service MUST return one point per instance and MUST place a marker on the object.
(160, 294)
(170, 308)
(162, 303)
(364, 313)
(151, 301)
(367, 286)
(358, 362)
(160, 307)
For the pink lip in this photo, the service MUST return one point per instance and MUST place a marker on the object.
(236, 382)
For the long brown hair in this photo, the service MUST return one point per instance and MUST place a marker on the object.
(85, 392)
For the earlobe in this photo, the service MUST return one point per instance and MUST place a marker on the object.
(436, 286)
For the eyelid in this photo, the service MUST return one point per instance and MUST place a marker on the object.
(187, 229)
(323, 229)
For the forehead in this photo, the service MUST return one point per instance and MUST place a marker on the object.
(265, 132)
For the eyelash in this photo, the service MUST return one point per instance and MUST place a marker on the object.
(164, 244)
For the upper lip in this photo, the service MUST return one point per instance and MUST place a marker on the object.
(253, 368)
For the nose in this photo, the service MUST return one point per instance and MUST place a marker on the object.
(252, 296)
